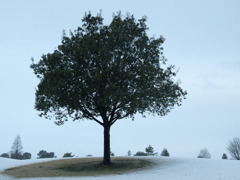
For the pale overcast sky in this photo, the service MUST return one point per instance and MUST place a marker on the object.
(202, 41)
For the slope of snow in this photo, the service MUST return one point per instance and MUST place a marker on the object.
(166, 169)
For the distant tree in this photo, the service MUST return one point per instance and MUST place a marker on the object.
(165, 152)
(234, 148)
(112, 154)
(4, 155)
(42, 154)
(26, 155)
(45, 154)
(224, 156)
(204, 154)
(89, 155)
(68, 155)
(129, 153)
(150, 151)
(106, 73)
(139, 153)
(51, 155)
(16, 152)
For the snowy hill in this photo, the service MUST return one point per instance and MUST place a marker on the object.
(167, 169)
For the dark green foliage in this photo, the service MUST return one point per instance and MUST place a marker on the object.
(68, 155)
(224, 156)
(112, 154)
(26, 155)
(150, 151)
(45, 154)
(140, 153)
(110, 71)
(165, 152)
(4, 155)
(129, 153)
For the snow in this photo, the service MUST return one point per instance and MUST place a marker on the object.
(167, 168)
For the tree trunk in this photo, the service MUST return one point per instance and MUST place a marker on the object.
(106, 157)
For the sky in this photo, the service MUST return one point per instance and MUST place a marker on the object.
(202, 41)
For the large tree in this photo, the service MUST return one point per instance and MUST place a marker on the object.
(105, 73)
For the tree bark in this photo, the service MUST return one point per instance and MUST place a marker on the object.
(106, 157)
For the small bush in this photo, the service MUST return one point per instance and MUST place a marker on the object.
(26, 155)
(139, 153)
(204, 154)
(165, 152)
(68, 155)
(45, 154)
(5, 155)
(224, 156)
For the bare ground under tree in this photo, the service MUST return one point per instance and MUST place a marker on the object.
(79, 167)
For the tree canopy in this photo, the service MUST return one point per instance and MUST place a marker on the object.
(106, 73)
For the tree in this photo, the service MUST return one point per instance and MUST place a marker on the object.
(234, 148)
(68, 155)
(204, 154)
(129, 153)
(45, 154)
(16, 152)
(106, 73)
(140, 153)
(42, 154)
(150, 151)
(165, 152)
(26, 155)
(4, 155)
(224, 156)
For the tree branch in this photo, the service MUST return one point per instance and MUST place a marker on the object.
(99, 122)
(91, 116)
(116, 118)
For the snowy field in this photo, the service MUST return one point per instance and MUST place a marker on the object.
(167, 169)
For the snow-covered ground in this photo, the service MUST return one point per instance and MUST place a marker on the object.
(169, 168)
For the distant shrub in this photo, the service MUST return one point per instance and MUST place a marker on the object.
(139, 153)
(150, 151)
(224, 156)
(129, 153)
(165, 152)
(204, 154)
(45, 154)
(5, 155)
(89, 155)
(111, 153)
(68, 155)
(26, 155)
